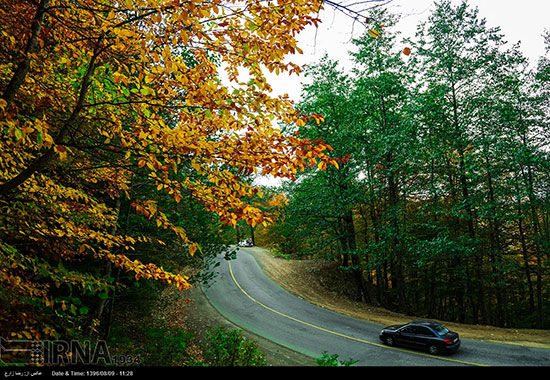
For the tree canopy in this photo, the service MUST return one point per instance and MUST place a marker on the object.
(101, 100)
(441, 207)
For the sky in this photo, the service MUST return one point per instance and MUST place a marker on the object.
(523, 21)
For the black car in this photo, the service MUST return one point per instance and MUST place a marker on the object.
(421, 334)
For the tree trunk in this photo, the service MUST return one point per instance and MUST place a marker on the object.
(461, 283)
(525, 255)
(349, 229)
(381, 278)
(252, 235)
(106, 274)
(32, 46)
(494, 248)
(395, 255)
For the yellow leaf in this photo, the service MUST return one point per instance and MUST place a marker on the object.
(374, 33)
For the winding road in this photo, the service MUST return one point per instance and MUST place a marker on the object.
(251, 300)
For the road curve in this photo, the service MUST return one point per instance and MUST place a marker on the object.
(251, 300)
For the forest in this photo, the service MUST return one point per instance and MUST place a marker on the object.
(440, 206)
(130, 143)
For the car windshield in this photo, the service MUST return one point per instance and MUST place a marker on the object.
(441, 330)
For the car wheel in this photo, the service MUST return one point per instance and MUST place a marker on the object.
(389, 341)
(433, 350)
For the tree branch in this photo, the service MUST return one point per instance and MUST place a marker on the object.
(45, 159)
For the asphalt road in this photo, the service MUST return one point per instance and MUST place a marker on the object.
(252, 301)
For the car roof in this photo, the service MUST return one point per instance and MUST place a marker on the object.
(424, 322)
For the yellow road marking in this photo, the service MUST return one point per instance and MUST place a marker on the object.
(343, 335)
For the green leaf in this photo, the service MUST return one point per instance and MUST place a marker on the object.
(18, 134)
(103, 296)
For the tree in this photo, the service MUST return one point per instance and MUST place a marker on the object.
(387, 135)
(95, 92)
(448, 175)
(325, 201)
(455, 48)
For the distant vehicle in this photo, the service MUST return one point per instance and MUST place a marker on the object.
(422, 334)
(246, 243)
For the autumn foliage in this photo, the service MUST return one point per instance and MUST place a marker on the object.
(94, 91)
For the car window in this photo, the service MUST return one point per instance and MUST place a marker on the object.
(408, 329)
(441, 330)
(424, 331)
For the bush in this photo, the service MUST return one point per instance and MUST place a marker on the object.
(230, 349)
(332, 361)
